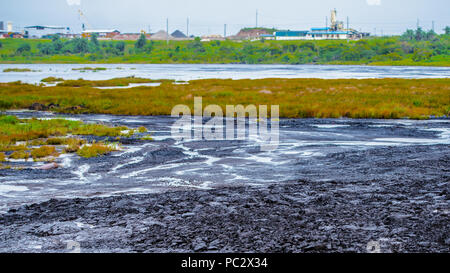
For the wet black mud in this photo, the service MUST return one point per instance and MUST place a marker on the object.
(332, 186)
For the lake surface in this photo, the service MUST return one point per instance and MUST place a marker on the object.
(185, 72)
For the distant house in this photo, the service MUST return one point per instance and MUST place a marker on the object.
(102, 33)
(267, 36)
(336, 31)
(213, 37)
(290, 35)
(45, 31)
(318, 34)
(129, 36)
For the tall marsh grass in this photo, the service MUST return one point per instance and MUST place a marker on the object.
(298, 98)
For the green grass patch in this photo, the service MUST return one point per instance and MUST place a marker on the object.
(17, 70)
(43, 151)
(95, 149)
(110, 83)
(52, 80)
(44, 139)
(297, 98)
(93, 69)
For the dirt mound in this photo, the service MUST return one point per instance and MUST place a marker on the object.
(253, 32)
(178, 34)
(161, 35)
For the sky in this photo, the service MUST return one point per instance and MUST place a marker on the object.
(209, 16)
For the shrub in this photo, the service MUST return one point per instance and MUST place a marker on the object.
(52, 80)
(140, 43)
(20, 155)
(73, 145)
(43, 151)
(55, 141)
(94, 150)
(120, 46)
(25, 47)
(142, 129)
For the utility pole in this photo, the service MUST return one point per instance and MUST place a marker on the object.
(326, 22)
(167, 30)
(187, 27)
(348, 29)
(256, 18)
(225, 31)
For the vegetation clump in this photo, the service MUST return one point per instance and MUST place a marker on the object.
(73, 145)
(17, 70)
(93, 69)
(297, 98)
(52, 80)
(95, 150)
(19, 155)
(43, 151)
(42, 139)
(109, 83)
(414, 47)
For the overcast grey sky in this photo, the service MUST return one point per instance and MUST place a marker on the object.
(209, 16)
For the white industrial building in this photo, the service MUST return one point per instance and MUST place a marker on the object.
(335, 32)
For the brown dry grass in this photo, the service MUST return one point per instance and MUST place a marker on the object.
(301, 98)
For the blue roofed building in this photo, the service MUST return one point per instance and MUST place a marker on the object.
(336, 31)
(316, 34)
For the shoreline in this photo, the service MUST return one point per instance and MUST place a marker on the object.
(196, 63)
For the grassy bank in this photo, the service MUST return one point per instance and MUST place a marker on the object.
(371, 51)
(107, 83)
(44, 140)
(300, 98)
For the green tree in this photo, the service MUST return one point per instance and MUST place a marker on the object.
(80, 45)
(120, 46)
(421, 55)
(55, 38)
(447, 30)
(196, 46)
(140, 43)
(94, 39)
(420, 34)
(430, 35)
(408, 35)
(25, 47)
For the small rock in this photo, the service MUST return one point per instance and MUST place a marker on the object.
(187, 214)
(198, 245)
(50, 166)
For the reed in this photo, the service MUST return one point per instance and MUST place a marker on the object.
(297, 98)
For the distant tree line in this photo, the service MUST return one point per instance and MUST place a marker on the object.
(413, 46)
(82, 46)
